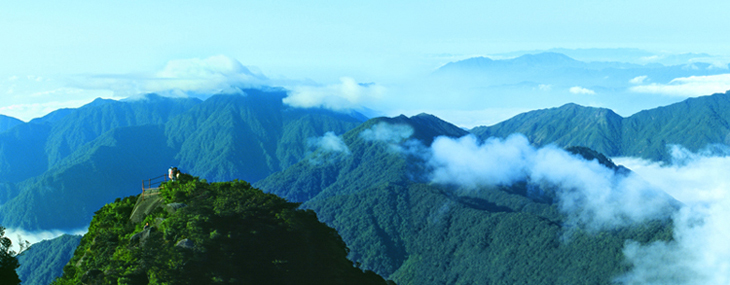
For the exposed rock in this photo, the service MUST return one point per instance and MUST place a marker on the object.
(186, 244)
(142, 236)
(173, 207)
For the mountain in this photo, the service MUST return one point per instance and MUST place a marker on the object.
(311, 179)
(399, 224)
(694, 123)
(542, 79)
(248, 137)
(54, 171)
(44, 261)
(206, 233)
(7, 123)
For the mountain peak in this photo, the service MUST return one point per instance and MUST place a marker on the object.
(545, 58)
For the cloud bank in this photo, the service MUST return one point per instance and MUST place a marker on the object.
(197, 77)
(591, 194)
(597, 198)
(700, 252)
(688, 86)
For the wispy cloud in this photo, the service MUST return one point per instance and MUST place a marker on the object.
(688, 86)
(581, 90)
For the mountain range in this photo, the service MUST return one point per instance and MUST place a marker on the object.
(55, 171)
(695, 124)
(368, 179)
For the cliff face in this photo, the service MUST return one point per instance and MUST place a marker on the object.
(201, 233)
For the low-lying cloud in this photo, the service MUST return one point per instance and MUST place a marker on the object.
(591, 194)
(700, 252)
(329, 143)
(17, 235)
(348, 94)
(688, 86)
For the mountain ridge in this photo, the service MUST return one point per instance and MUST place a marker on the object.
(693, 123)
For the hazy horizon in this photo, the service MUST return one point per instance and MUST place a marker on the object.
(63, 55)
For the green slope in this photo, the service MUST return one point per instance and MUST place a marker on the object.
(694, 123)
(44, 261)
(113, 165)
(7, 123)
(219, 233)
(248, 137)
(398, 225)
(64, 168)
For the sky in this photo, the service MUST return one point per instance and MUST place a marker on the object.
(60, 54)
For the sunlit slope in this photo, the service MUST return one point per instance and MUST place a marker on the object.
(694, 123)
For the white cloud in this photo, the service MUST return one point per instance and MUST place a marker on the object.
(210, 75)
(181, 78)
(330, 143)
(37, 236)
(688, 86)
(638, 79)
(581, 90)
(348, 94)
(590, 194)
(699, 253)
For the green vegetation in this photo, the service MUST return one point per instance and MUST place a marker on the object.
(55, 170)
(8, 260)
(44, 261)
(694, 123)
(399, 226)
(211, 233)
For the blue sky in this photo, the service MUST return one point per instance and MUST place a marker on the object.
(65, 53)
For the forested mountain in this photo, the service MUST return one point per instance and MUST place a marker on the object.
(55, 170)
(378, 196)
(694, 123)
(8, 122)
(43, 262)
(201, 233)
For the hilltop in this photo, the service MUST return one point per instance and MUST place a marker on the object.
(210, 233)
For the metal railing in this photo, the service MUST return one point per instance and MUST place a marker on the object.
(149, 185)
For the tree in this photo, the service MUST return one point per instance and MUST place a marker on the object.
(8, 260)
